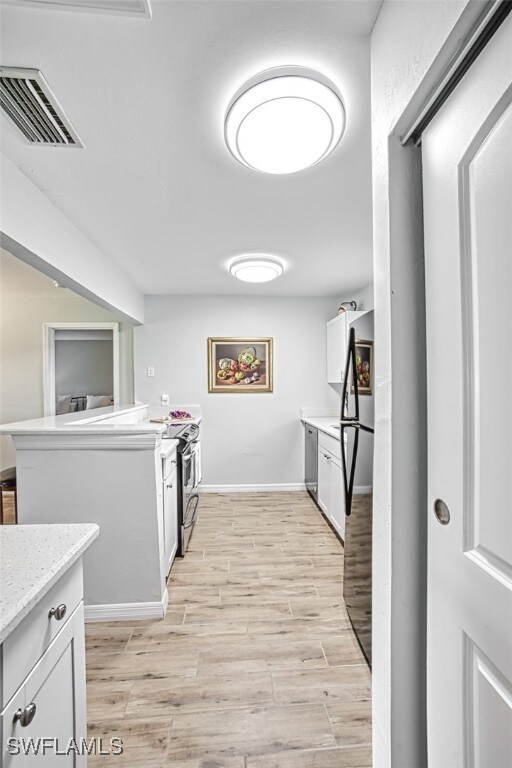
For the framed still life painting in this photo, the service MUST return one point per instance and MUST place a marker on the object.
(364, 367)
(240, 365)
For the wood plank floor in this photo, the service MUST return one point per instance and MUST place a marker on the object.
(255, 664)
(8, 505)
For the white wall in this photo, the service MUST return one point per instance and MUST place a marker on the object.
(363, 297)
(247, 439)
(21, 346)
(411, 44)
(35, 230)
(84, 367)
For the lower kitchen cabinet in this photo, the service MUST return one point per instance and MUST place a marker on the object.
(337, 497)
(324, 467)
(330, 489)
(170, 520)
(47, 708)
(55, 692)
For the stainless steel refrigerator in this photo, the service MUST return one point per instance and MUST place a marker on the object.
(357, 428)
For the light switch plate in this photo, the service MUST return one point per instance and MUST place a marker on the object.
(150, 371)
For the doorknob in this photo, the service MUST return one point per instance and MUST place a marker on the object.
(441, 511)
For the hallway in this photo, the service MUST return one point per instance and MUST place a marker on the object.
(255, 664)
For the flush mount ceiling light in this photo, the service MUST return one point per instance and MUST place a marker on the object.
(256, 268)
(284, 120)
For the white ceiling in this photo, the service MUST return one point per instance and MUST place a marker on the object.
(156, 188)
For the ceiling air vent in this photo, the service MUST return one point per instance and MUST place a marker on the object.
(26, 98)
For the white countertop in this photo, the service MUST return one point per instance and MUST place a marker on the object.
(324, 424)
(168, 447)
(32, 559)
(85, 422)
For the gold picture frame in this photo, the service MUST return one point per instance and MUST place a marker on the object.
(240, 364)
(364, 367)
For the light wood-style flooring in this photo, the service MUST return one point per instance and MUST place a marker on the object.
(8, 505)
(255, 664)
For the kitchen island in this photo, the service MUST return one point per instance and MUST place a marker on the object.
(101, 466)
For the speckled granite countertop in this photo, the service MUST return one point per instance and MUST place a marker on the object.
(32, 559)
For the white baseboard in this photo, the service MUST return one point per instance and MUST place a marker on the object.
(263, 488)
(127, 611)
(359, 490)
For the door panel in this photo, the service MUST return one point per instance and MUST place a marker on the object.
(55, 713)
(489, 711)
(467, 173)
(487, 282)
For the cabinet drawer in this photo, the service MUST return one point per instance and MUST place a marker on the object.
(27, 643)
(330, 444)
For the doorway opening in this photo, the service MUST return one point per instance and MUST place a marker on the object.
(80, 366)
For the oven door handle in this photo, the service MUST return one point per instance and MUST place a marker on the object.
(190, 523)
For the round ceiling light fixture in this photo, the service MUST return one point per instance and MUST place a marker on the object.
(256, 268)
(284, 120)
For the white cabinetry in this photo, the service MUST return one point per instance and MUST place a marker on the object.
(169, 511)
(330, 482)
(50, 701)
(337, 339)
(324, 471)
(336, 497)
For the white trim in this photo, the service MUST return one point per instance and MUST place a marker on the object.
(114, 7)
(464, 48)
(94, 441)
(127, 611)
(262, 488)
(49, 357)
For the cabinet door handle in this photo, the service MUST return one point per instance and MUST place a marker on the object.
(25, 715)
(174, 461)
(327, 457)
(58, 613)
(169, 485)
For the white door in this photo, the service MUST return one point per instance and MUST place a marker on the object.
(467, 177)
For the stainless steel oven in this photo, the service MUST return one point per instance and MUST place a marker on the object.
(189, 477)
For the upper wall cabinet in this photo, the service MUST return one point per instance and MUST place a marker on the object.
(337, 340)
